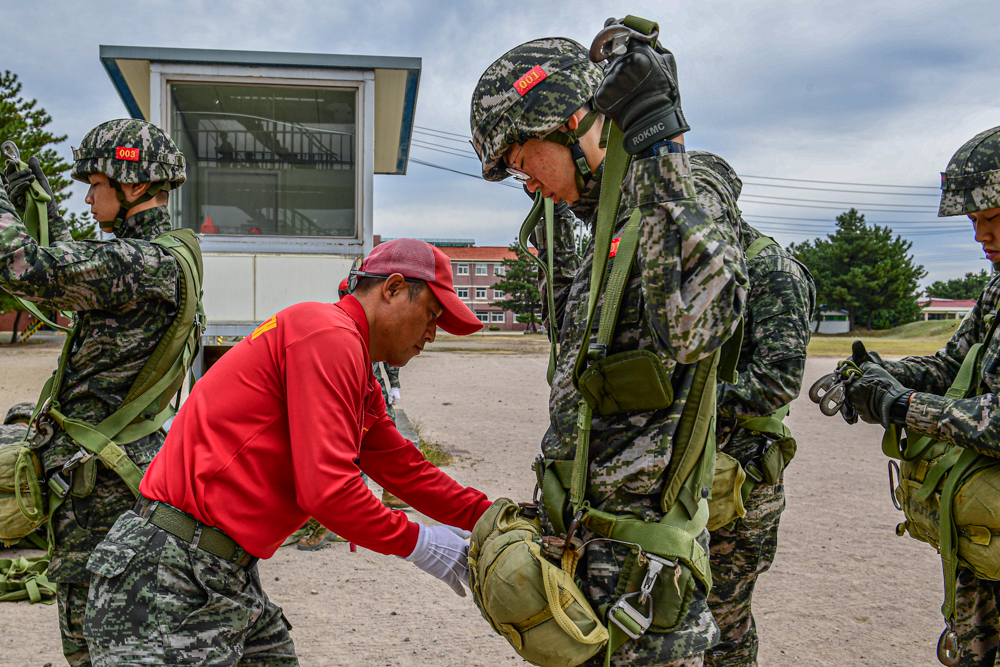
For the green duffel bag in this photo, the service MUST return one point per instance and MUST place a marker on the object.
(533, 603)
(22, 505)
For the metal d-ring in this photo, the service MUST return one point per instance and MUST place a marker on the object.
(11, 150)
(949, 651)
(613, 41)
(833, 400)
(822, 385)
(895, 482)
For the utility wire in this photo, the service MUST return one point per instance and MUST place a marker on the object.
(845, 203)
(859, 207)
(857, 192)
(445, 150)
(462, 173)
(464, 137)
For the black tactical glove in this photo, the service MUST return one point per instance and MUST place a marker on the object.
(859, 355)
(21, 180)
(639, 93)
(878, 397)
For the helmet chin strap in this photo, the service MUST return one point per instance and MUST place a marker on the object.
(571, 140)
(124, 206)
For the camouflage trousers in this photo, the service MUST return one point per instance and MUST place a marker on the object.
(156, 599)
(739, 556)
(71, 601)
(977, 619)
(684, 647)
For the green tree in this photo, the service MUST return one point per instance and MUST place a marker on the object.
(520, 288)
(864, 270)
(967, 287)
(25, 123)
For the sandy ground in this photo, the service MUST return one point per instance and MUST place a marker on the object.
(844, 590)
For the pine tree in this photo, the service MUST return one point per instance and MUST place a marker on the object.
(864, 270)
(967, 287)
(520, 288)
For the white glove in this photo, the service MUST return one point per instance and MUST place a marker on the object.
(393, 395)
(441, 551)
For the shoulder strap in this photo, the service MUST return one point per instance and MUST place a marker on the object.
(759, 244)
(548, 268)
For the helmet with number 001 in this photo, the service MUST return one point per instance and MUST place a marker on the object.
(526, 94)
(971, 182)
(129, 150)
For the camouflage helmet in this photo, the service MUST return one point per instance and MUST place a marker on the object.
(129, 150)
(972, 180)
(526, 94)
(19, 413)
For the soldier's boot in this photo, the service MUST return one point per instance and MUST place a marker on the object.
(316, 539)
(298, 534)
(392, 501)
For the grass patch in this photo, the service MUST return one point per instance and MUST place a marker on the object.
(916, 338)
(435, 454)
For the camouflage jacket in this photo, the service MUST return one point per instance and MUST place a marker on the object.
(391, 374)
(970, 422)
(683, 299)
(776, 323)
(125, 294)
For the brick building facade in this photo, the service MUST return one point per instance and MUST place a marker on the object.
(475, 270)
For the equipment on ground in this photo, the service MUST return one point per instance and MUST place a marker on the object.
(949, 496)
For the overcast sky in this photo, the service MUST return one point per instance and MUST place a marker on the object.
(855, 91)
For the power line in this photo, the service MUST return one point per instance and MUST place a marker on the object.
(876, 222)
(464, 142)
(871, 185)
(846, 203)
(833, 208)
(857, 192)
(462, 173)
(443, 149)
(431, 129)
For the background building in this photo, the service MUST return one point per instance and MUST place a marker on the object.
(281, 150)
(945, 309)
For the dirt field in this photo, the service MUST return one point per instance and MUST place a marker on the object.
(835, 596)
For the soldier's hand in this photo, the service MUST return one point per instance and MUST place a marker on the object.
(20, 182)
(640, 94)
(859, 355)
(443, 552)
(875, 394)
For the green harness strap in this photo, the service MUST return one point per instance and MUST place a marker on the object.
(147, 406)
(548, 268)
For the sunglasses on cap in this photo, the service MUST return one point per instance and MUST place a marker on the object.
(352, 278)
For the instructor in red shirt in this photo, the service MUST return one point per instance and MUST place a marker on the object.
(279, 430)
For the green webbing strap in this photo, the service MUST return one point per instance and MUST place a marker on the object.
(949, 532)
(759, 244)
(772, 424)
(581, 460)
(99, 440)
(24, 579)
(616, 164)
(548, 268)
(620, 270)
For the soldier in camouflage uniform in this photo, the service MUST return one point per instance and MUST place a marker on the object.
(970, 186)
(683, 299)
(125, 295)
(776, 332)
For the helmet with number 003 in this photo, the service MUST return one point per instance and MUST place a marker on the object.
(526, 94)
(971, 182)
(129, 150)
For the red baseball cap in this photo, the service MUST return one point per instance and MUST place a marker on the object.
(342, 289)
(420, 260)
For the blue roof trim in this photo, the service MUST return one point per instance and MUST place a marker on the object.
(257, 58)
(115, 74)
(409, 111)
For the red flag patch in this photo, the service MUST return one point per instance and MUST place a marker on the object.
(529, 80)
(126, 153)
(614, 247)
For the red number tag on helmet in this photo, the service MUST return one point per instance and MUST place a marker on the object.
(529, 80)
(126, 153)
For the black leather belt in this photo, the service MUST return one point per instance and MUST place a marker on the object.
(189, 529)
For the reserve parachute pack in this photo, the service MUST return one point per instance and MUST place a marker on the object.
(949, 495)
(27, 498)
(525, 597)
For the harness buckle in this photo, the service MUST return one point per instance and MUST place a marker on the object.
(634, 623)
(597, 351)
(530, 510)
(949, 651)
(60, 486)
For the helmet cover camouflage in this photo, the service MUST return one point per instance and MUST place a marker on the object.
(971, 182)
(526, 94)
(129, 150)
(19, 413)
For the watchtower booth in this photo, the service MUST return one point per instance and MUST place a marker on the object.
(281, 153)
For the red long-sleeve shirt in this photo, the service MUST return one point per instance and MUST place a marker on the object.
(279, 430)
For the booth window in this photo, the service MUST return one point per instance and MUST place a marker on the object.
(266, 160)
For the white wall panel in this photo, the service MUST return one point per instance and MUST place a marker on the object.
(229, 288)
(283, 280)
